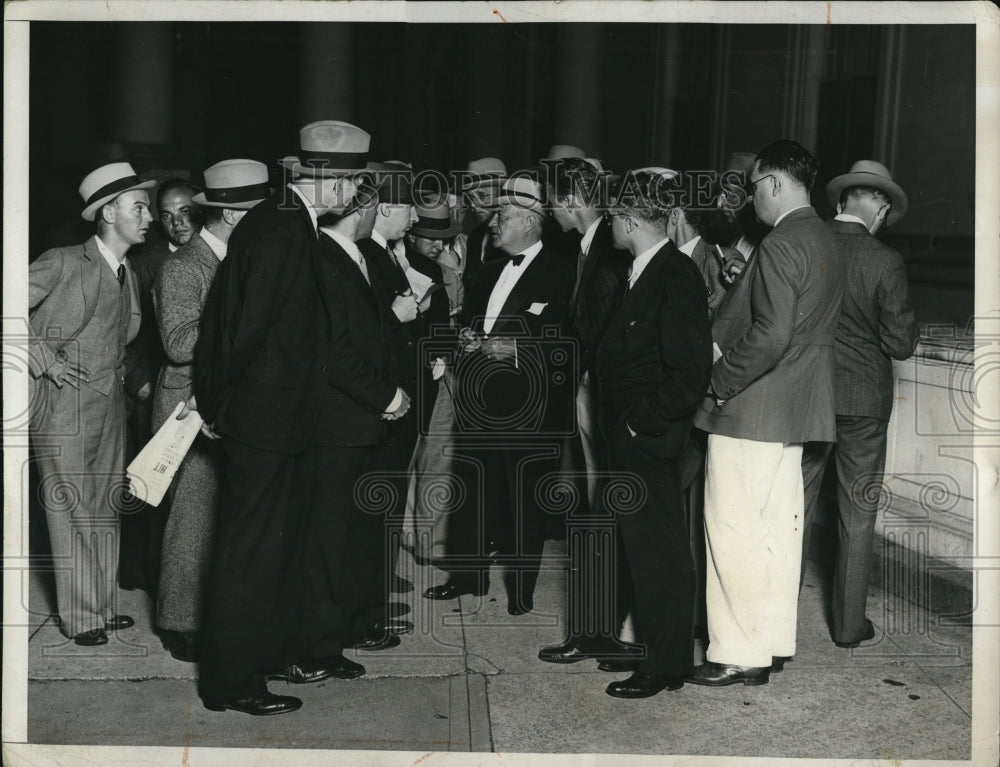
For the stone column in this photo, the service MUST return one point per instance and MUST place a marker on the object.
(578, 97)
(143, 79)
(325, 76)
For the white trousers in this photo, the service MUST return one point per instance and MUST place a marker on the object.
(753, 544)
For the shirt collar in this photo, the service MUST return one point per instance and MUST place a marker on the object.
(782, 216)
(309, 207)
(643, 259)
(588, 236)
(850, 219)
(346, 243)
(171, 248)
(110, 257)
(218, 246)
(529, 254)
(688, 247)
(377, 236)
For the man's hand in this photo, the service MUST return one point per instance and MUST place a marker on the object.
(400, 411)
(500, 348)
(189, 406)
(405, 307)
(65, 372)
(208, 432)
(732, 268)
(468, 341)
(143, 394)
(424, 305)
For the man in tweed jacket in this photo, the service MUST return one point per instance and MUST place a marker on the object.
(877, 325)
(179, 293)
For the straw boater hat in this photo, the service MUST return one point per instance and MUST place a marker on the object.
(106, 183)
(434, 221)
(486, 171)
(522, 192)
(563, 151)
(873, 174)
(329, 148)
(239, 184)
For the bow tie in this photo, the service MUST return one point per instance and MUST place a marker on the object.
(516, 260)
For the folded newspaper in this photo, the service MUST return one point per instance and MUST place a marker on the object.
(153, 469)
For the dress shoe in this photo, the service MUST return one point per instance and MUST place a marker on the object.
(567, 652)
(91, 638)
(722, 674)
(778, 662)
(382, 636)
(869, 634)
(118, 623)
(454, 588)
(307, 673)
(257, 705)
(182, 645)
(400, 585)
(641, 685)
(617, 665)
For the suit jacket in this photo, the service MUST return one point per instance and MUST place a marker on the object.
(776, 329)
(261, 361)
(475, 256)
(361, 379)
(706, 258)
(531, 387)
(145, 354)
(63, 287)
(180, 291)
(877, 324)
(654, 361)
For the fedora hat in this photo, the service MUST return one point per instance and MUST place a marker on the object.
(482, 172)
(435, 221)
(239, 184)
(329, 148)
(394, 180)
(103, 185)
(873, 174)
(522, 192)
(562, 151)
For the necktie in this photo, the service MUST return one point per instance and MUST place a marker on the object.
(580, 259)
(121, 274)
(364, 268)
(516, 260)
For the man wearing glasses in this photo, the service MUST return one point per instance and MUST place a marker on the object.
(772, 389)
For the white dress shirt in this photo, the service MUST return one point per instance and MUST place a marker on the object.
(505, 284)
(110, 257)
(588, 236)
(218, 247)
(850, 219)
(642, 261)
(312, 213)
(688, 247)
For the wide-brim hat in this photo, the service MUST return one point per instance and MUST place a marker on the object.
(103, 185)
(486, 171)
(872, 174)
(238, 184)
(435, 221)
(522, 192)
(329, 148)
(394, 179)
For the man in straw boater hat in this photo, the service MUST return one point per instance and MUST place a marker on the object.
(232, 187)
(876, 326)
(772, 390)
(263, 363)
(479, 188)
(84, 309)
(653, 364)
(512, 393)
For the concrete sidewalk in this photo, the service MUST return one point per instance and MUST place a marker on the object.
(468, 679)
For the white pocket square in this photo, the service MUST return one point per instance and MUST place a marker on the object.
(537, 308)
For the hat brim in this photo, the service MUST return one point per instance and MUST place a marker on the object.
(201, 202)
(90, 212)
(900, 203)
(310, 171)
(436, 234)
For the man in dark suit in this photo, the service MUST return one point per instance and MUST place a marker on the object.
(263, 364)
(481, 183)
(653, 364)
(576, 192)
(84, 309)
(877, 325)
(771, 391)
(512, 397)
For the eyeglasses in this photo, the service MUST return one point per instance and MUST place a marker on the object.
(752, 186)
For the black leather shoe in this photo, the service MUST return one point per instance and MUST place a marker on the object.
(453, 589)
(869, 634)
(301, 674)
(382, 636)
(258, 705)
(778, 662)
(400, 585)
(567, 652)
(342, 668)
(722, 674)
(91, 638)
(118, 623)
(617, 665)
(641, 685)
(182, 645)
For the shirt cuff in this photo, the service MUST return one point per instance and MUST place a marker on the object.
(396, 401)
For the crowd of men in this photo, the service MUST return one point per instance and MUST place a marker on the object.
(364, 349)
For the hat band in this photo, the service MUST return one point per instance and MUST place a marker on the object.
(440, 224)
(237, 193)
(115, 187)
(516, 197)
(334, 160)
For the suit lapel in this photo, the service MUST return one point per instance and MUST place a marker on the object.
(90, 277)
(346, 266)
(518, 298)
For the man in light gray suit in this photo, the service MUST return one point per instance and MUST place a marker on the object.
(771, 390)
(84, 308)
(232, 187)
(877, 325)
